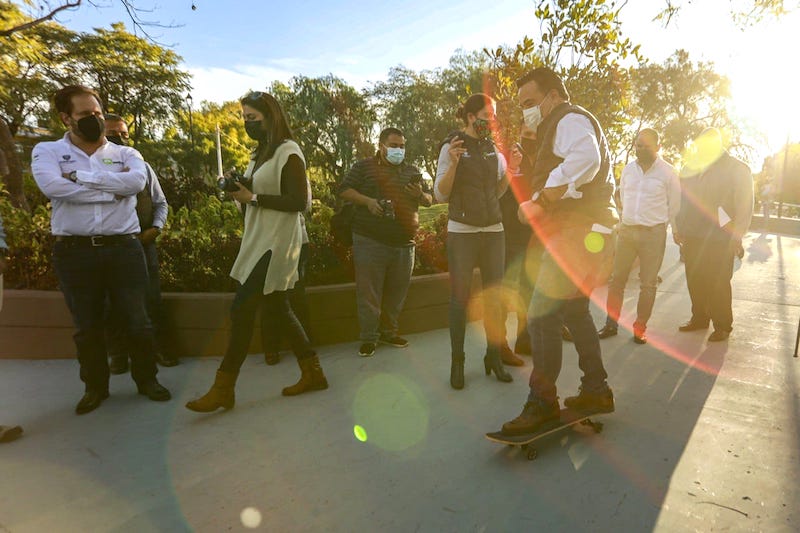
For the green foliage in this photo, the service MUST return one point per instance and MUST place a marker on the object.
(30, 246)
(423, 104)
(679, 99)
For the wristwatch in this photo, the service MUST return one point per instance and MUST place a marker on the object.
(254, 200)
(73, 176)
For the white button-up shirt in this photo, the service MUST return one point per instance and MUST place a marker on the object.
(652, 197)
(576, 142)
(103, 199)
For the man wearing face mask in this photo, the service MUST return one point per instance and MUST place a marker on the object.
(573, 214)
(650, 195)
(387, 193)
(151, 208)
(92, 186)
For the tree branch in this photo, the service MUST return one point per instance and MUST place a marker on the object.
(34, 22)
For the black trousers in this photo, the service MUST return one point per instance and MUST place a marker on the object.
(709, 269)
(87, 276)
(274, 307)
(271, 331)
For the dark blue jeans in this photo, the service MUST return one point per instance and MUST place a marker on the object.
(87, 276)
(116, 343)
(465, 252)
(274, 306)
(567, 275)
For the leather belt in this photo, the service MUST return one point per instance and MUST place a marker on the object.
(95, 240)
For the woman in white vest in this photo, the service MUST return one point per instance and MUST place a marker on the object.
(266, 266)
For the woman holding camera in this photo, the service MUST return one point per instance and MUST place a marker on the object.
(471, 177)
(266, 266)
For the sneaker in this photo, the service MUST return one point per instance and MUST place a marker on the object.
(396, 341)
(367, 349)
(534, 415)
(587, 402)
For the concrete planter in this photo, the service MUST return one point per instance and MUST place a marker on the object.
(37, 324)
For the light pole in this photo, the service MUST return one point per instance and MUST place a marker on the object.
(191, 128)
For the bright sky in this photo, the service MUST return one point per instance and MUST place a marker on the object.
(233, 46)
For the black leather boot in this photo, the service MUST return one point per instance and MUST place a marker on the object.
(493, 363)
(457, 371)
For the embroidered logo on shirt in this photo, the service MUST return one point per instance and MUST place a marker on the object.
(66, 157)
(107, 161)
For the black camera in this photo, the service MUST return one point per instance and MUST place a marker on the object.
(388, 208)
(228, 183)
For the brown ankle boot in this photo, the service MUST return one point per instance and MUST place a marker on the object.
(221, 394)
(311, 377)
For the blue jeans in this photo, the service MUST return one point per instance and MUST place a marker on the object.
(383, 274)
(465, 251)
(646, 243)
(116, 343)
(274, 307)
(567, 275)
(87, 275)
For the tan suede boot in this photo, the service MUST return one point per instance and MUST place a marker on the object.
(221, 394)
(311, 377)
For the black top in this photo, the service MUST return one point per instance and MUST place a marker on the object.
(294, 188)
(473, 198)
(383, 181)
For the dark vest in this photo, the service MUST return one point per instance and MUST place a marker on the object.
(597, 200)
(144, 204)
(473, 199)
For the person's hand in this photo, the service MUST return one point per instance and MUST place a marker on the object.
(414, 190)
(148, 236)
(374, 207)
(529, 211)
(2, 264)
(516, 158)
(243, 195)
(677, 239)
(456, 150)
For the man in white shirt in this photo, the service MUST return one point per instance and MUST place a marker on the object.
(650, 194)
(572, 213)
(92, 186)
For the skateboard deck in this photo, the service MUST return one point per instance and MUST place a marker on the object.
(567, 419)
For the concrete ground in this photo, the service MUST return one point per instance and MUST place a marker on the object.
(705, 436)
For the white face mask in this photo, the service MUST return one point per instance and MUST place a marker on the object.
(395, 156)
(532, 116)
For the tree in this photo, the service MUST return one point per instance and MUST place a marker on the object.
(584, 43)
(423, 104)
(135, 78)
(679, 99)
(743, 12)
(332, 122)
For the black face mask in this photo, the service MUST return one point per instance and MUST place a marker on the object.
(646, 157)
(255, 130)
(116, 139)
(91, 128)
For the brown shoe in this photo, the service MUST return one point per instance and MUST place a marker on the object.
(311, 377)
(587, 402)
(221, 394)
(534, 415)
(508, 357)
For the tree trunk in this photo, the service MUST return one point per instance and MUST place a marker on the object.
(12, 173)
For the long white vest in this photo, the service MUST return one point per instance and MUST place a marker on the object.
(267, 229)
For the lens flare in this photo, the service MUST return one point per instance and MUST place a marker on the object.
(594, 242)
(251, 517)
(360, 433)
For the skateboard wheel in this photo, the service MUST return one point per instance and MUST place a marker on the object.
(532, 454)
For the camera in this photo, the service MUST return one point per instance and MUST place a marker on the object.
(388, 208)
(228, 183)
(416, 178)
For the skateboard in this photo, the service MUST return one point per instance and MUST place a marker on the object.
(567, 419)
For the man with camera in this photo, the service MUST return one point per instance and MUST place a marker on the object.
(387, 194)
(92, 186)
(151, 208)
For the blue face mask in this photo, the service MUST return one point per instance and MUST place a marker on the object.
(395, 156)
